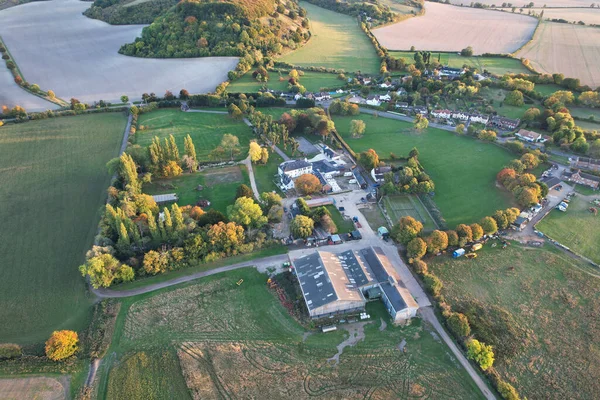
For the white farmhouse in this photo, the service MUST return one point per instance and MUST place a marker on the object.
(445, 114)
(481, 118)
(460, 115)
(290, 170)
(373, 101)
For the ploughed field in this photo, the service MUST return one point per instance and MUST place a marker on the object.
(12, 95)
(573, 50)
(448, 28)
(77, 57)
(54, 182)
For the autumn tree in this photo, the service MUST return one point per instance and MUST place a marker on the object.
(452, 238)
(264, 156)
(480, 353)
(302, 226)
(225, 237)
(235, 112)
(357, 128)
(244, 191)
(477, 231)
(62, 344)
(416, 248)
(530, 160)
(328, 225)
(459, 325)
(420, 122)
(246, 213)
(155, 262)
(514, 98)
(231, 144)
(531, 114)
(437, 241)
(254, 152)
(489, 225)
(104, 270)
(460, 129)
(307, 184)
(406, 230)
(269, 199)
(465, 235)
(369, 159)
(190, 152)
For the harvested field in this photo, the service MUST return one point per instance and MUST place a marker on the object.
(38, 388)
(539, 309)
(337, 42)
(240, 342)
(12, 95)
(573, 50)
(548, 3)
(448, 28)
(574, 15)
(77, 57)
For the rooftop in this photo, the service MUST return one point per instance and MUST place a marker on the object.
(528, 134)
(394, 296)
(293, 165)
(164, 198)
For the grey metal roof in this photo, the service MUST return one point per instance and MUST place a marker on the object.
(314, 280)
(375, 264)
(551, 181)
(394, 296)
(353, 269)
(163, 198)
(293, 165)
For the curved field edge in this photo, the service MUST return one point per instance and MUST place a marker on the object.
(54, 180)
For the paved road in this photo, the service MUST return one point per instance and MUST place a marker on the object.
(261, 264)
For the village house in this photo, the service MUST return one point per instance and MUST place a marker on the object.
(401, 92)
(378, 173)
(460, 115)
(480, 118)
(444, 114)
(385, 97)
(582, 178)
(402, 104)
(503, 123)
(420, 110)
(373, 101)
(334, 284)
(450, 72)
(528, 136)
(290, 170)
(386, 85)
(585, 163)
(322, 96)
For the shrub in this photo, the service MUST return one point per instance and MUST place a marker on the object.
(10, 350)
(433, 284)
(420, 267)
(459, 325)
(61, 345)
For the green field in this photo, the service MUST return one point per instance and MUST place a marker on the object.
(337, 42)
(583, 112)
(239, 342)
(54, 182)
(399, 206)
(344, 225)
(498, 95)
(218, 186)
(494, 65)
(577, 228)
(463, 169)
(312, 81)
(547, 89)
(538, 308)
(266, 174)
(206, 130)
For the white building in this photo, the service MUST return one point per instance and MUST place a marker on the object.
(373, 101)
(481, 118)
(385, 97)
(460, 115)
(386, 85)
(290, 170)
(322, 96)
(528, 136)
(445, 114)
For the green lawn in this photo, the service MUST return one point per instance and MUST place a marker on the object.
(374, 217)
(576, 228)
(266, 174)
(343, 225)
(337, 42)
(399, 206)
(206, 130)
(547, 89)
(498, 95)
(584, 112)
(463, 169)
(54, 183)
(312, 81)
(495, 65)
(241, 335)
(537, 308)
(219, 186)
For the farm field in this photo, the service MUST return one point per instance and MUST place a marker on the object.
(572, 50)
(586, 113)
(588, 15)
(537, 308)
(498, 95)
(464, 173)
(588, 126)
(312, 81)
(577, 228)
(39, 387)
(549, 3)
(495, 65)
(235, 341)
(12, 95)
(337, 42)
(399, 206)
(438, 30)
(77, 57)
(206, 130)
(399, 6)
(60, 163)
(219, 186)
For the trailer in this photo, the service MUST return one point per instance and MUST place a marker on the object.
(476, 246)
(458, 252)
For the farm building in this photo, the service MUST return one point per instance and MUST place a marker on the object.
(519, 224)
(378, 173)
(585, 163)
(582, 178)
(550, 181)
(318, 202)
(165, 198)
(290, 170)
(528, 136)
(360, 179)
(503, 123)
(339, 283)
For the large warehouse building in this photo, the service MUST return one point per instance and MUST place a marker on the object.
(340, 283)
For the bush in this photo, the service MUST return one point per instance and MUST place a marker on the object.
(10, 350)
(433, 284)
(62, 344)
(459, 325)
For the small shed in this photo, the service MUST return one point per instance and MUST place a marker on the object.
(383, 231)
(165, 198)
(335, 239)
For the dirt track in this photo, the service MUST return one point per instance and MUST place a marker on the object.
(58, 48)
(449, 28)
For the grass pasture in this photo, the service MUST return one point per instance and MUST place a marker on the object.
(498, 95)
(577, 228)
(448, 28)
(566, 48)
(312, 81)
(206, 130)
(54, 179)
(495, 65)
(239, 342)
(337, 42)
(399, 206)
(265, 175)
(219, 186)
(537, 308)
(463, 172)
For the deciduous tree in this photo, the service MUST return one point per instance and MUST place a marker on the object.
(246, 213)
(480, 353)
(369, 159)
(406, 230)
(437, 241)
(104, 270)
(302, 226)
(459, 325)
(307, 184)
(62, 344)
(489, 225)
(357, 128)
(244, 191)
(416, 248)
(254, 152)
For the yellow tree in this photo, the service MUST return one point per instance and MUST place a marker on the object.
(61, 345)
(254, 152)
